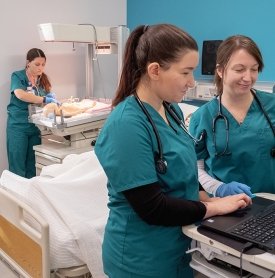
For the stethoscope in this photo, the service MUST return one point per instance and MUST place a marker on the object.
(220, 115)
(37, 84)
(35, 87)
(160, 162)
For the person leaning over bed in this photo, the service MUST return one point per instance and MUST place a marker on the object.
(30, 85)
(148, 206)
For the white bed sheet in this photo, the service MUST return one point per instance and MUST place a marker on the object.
(72, 197)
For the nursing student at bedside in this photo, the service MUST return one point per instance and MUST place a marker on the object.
(150, 161)
(29, 85)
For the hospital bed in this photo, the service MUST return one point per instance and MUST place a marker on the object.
(46, 234)
(27, 254)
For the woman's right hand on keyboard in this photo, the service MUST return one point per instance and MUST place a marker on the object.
(226, 205)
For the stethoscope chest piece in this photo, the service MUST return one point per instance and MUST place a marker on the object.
(161, 165)
(272, 152)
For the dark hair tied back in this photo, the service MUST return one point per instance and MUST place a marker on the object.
(161, 43)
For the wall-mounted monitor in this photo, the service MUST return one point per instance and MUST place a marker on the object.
(209, 55)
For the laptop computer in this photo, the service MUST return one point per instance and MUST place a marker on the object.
(255, 224)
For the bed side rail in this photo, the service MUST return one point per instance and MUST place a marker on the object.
(25, 248)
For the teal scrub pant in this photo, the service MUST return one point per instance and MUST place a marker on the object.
(113, 271)
(20, 141)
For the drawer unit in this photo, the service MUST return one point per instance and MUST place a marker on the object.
(48, 154)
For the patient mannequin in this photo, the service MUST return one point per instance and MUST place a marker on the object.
(68, 108)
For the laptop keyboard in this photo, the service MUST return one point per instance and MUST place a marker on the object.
(259, 229)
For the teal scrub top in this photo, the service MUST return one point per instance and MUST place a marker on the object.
(249, 143)
(18, 109)
(126, 148)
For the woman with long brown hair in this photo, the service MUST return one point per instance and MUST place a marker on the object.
(238, 153)
(30, 85)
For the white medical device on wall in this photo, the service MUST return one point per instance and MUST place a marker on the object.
(99, 40)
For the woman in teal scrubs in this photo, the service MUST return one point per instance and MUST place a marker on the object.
(241, 159)
(30, 85)
(150, 160)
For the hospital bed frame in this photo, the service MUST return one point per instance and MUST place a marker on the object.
(24, 249)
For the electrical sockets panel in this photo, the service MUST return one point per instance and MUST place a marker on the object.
(203, 91)
(207, 91)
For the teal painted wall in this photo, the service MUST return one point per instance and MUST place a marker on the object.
(213, 20)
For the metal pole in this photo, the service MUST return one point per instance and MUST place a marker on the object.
(89, 71)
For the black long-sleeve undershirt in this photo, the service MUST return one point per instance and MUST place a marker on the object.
(156, 208)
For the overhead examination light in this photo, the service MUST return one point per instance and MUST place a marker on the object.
(82, 33)
(99, 40)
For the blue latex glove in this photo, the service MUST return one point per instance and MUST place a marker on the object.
(233, 188)
(50, 99)
(52, 95)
